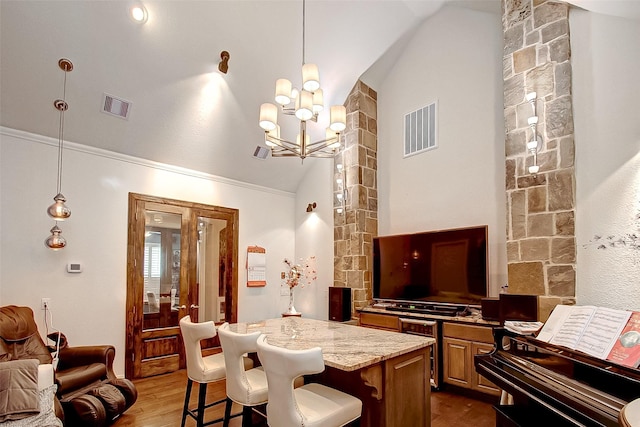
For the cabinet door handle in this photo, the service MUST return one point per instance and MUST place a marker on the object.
(194, 306)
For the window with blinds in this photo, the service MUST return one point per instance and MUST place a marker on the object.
(151, 261)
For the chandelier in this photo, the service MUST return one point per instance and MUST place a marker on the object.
(58, 210)
(305, 104)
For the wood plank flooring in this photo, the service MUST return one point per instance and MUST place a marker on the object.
(160, 402)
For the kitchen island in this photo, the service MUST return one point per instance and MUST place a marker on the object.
(388, 371)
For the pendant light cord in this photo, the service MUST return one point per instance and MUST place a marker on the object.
(61, 132)
(303, 29)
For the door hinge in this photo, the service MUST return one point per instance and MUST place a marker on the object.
(133, 357)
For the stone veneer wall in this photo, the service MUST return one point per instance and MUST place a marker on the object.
(541, 244)
(355, 227)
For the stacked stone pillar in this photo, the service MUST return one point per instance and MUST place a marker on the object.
(356, 226)
(541, 246)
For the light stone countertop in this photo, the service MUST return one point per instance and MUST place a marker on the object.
(344, 347)
(474, 318)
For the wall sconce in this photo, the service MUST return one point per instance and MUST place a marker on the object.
(341, 189)
(311, 207)
(223, 66)
(534, 145)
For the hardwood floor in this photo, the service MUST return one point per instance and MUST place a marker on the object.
(160, 402)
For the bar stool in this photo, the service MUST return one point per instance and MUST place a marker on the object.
(245, 387)
(202, 370)
(312, 405)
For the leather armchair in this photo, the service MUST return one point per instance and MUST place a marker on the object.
(88, 390)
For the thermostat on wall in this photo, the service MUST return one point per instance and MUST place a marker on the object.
(74, 268)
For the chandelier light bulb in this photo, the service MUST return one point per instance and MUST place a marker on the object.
(531, 96)
(283, 91)
(532, 120)
(55, 241)
(533, 169)
(268, 116)
(338, 115)
(532, 145)
(304, 106)
(318, 101)
(310, 77)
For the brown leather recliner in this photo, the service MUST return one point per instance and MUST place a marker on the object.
(89, 393)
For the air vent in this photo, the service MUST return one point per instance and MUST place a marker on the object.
(420, 130)
(115, 106)
(261, 153)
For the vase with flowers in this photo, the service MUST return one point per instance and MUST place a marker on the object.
(300, 274)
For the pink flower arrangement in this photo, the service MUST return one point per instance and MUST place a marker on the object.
(301, 274)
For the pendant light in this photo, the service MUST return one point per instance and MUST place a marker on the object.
(58, 210)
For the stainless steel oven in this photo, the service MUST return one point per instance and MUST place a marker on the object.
(426, 328)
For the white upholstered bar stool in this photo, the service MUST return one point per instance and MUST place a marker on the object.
(312, 405)
(202, 370)
(245, 387)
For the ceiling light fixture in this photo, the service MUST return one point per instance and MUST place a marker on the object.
(308, 103)
(58, 210)
(139, 13)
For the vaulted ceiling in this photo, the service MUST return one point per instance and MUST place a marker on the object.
(184, 112)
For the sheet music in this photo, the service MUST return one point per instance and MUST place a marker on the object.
(573, 326)
(603, 330)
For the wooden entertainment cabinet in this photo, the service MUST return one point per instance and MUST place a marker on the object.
(458, 339)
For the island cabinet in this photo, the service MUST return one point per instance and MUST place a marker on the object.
(460, 343)
(380, 321)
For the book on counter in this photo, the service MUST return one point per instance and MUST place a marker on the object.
(601, 332)
(522, 328)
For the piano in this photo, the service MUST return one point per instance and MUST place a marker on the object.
(554, 386)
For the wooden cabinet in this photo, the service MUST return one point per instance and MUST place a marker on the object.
(380, 321)
(460, 343)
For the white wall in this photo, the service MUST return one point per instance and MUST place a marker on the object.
(456, 59)
(314, 237)
(90, 307)
(606, 64)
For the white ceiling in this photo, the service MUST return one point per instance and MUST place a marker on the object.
(184, 112)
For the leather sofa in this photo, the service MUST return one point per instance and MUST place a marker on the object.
(89, 393)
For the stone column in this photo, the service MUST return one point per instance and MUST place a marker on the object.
(541, 244)
(355, 228)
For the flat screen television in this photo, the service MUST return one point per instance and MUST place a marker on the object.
(447, 266)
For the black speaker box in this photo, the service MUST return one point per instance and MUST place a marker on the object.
(490, 308)
(339, 304)
(518, 307)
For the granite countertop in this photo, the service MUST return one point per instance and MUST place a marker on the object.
(344, 347)
(472, 318)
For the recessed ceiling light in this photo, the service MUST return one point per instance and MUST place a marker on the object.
(138, 13)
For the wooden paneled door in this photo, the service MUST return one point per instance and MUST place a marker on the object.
(182, 260)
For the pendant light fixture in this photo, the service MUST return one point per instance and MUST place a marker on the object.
(307, 104)
(58, 210)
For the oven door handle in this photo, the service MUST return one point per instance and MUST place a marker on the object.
(418, 322)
